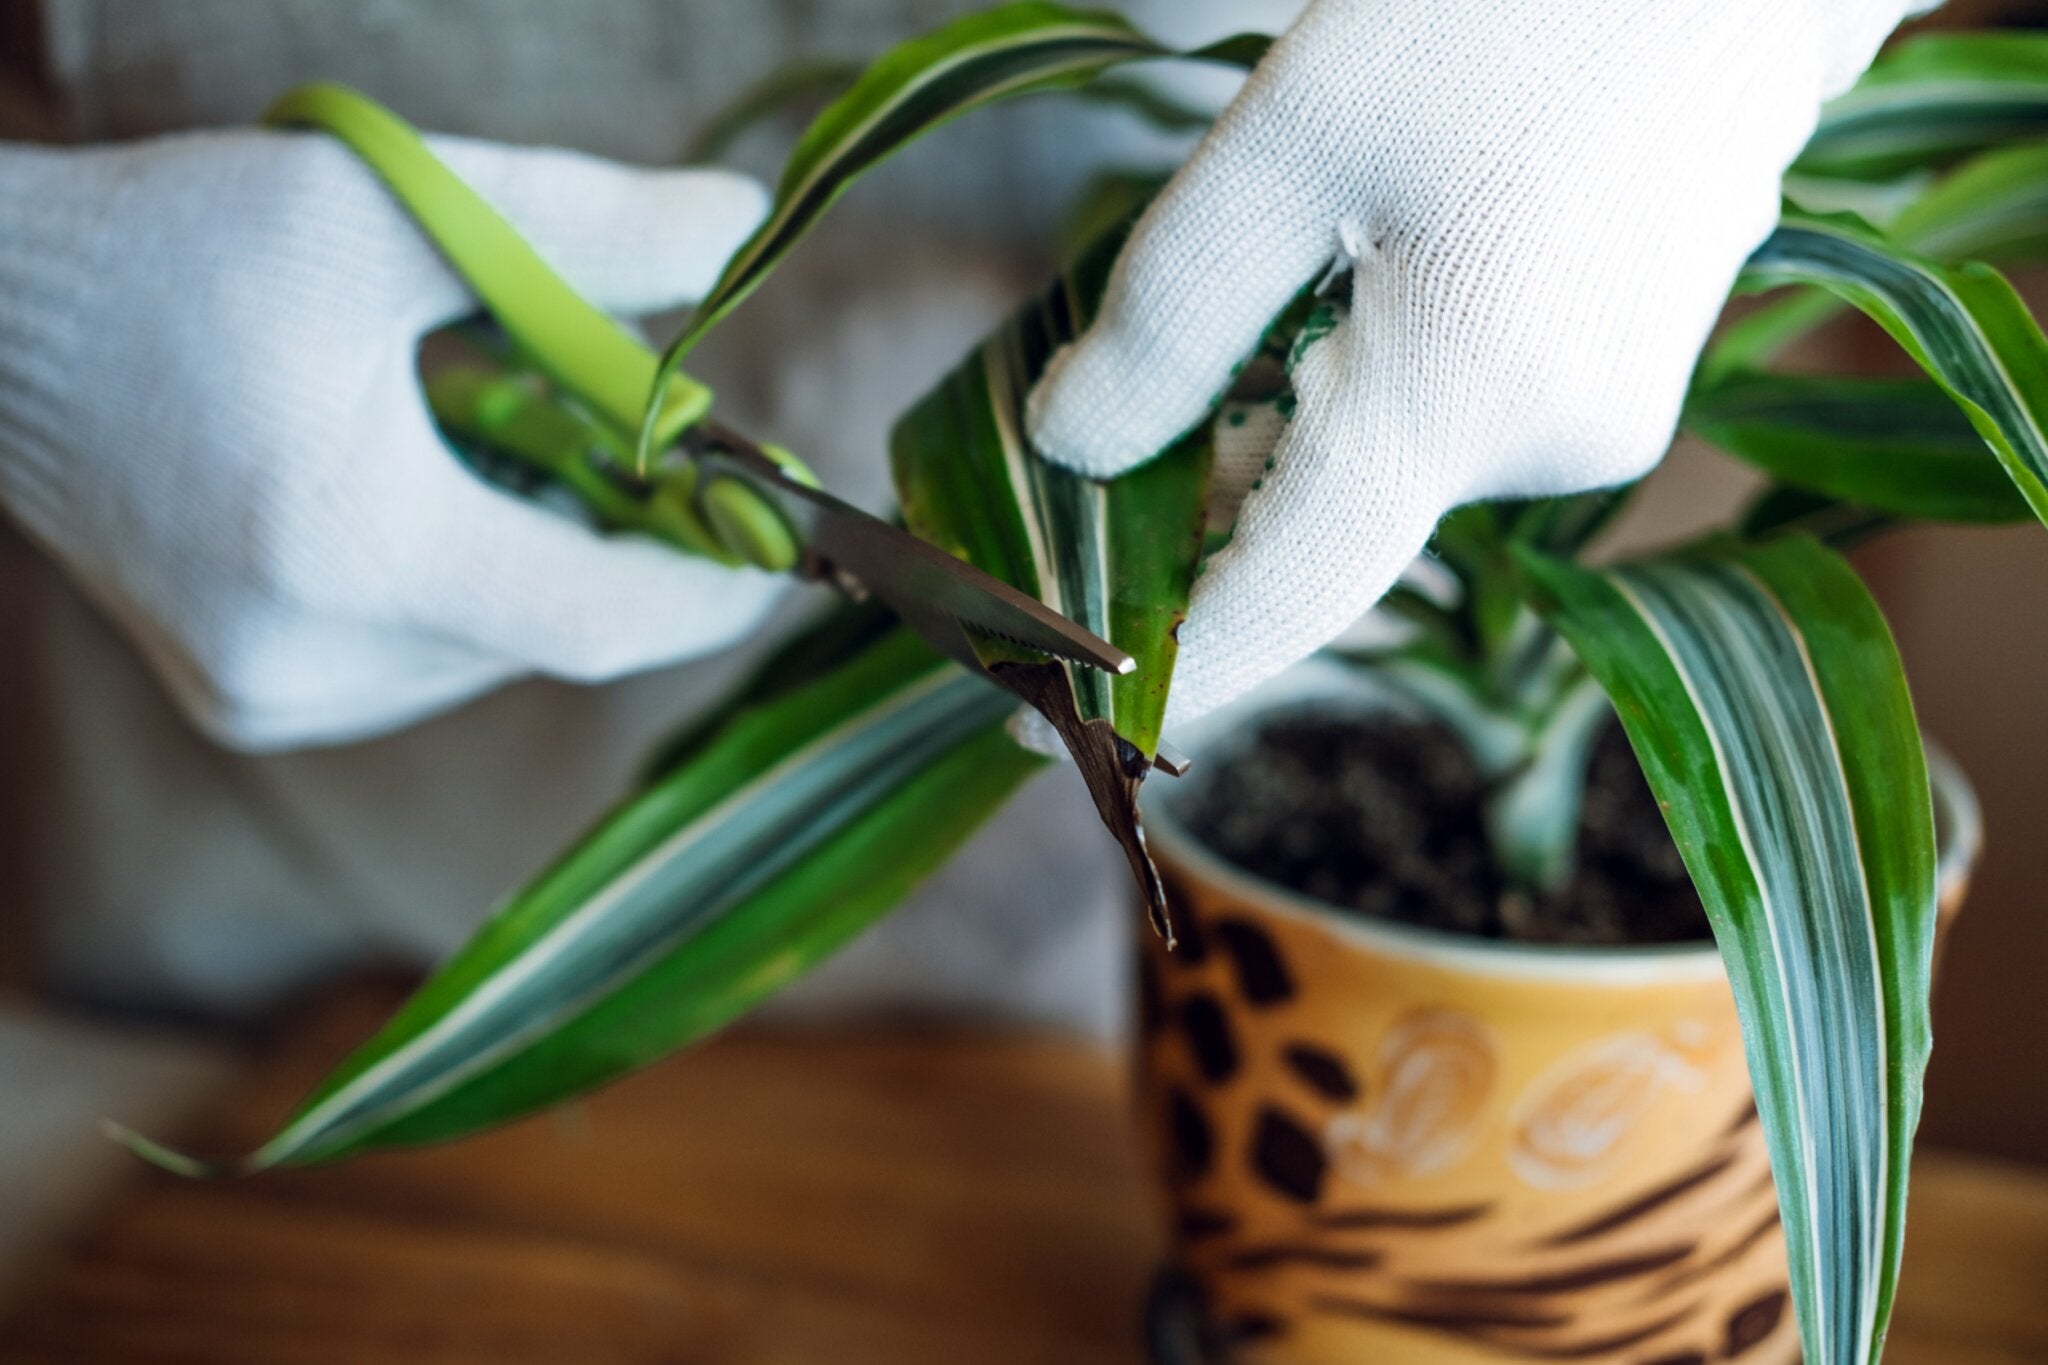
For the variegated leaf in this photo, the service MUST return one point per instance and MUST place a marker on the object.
(1783, 510)
(1762, 692)
(1889, 445)
(1962, 324)
(1023, 48)
(1928, 102)
(1992, 208)
(1117, 557)
(769, 840)
(1931, 100)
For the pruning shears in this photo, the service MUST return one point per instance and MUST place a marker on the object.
(712, 490)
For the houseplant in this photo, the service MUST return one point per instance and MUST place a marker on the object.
(802, 809)
(1381, 1140)
(1402, 1111)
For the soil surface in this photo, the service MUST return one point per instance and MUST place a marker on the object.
(1381, 816)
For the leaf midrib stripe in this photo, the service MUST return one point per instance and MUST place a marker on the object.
(1813, 1033)
(1620, 580)
(798, 197)
(320, 1122)
(1003, 397)
(1918, 95)
(1881, 1070)
(1962, 323)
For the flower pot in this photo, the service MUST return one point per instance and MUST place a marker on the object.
(1388, 1144)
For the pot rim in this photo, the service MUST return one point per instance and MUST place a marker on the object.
(1957, 818)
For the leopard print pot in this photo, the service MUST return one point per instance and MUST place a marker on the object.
(1382, 1144)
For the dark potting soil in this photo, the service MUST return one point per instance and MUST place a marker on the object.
(1380, 815)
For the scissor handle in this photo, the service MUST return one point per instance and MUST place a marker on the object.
(572, 342)
(575, 344)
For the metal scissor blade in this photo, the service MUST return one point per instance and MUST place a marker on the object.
(937, 595)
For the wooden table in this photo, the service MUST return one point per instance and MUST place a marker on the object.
(775, 1197)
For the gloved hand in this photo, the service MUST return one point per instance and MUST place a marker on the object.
(1545, 203)
(209, 413)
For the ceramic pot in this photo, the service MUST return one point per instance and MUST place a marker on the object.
(1388, 1144)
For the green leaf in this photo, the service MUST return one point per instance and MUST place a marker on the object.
(1148, 105)
(1023, 48)
(1993, 208)
(853, 761)
(572, 387)
(1564, 525)
(1750, 343)
(1931, 100)
(522, 434)
(1927, 103)
(1245, 50)
(1877, 202)
(983, 57)
(1473, 542)
(1118, 557)
(1962, 324)
(768, 843)
(1780, 510)
(1532, 815)
(1496, 738)
(1889, 445)
(1765, 699)
(831, 639)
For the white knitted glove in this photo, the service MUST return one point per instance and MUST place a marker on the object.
(1545, 202)
(209, 413)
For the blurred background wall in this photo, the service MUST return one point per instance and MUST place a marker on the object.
(1970, 608)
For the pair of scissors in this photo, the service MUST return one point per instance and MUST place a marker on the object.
(739, 500)
(937, 595)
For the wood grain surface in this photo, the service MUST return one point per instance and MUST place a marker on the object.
(776, 1197)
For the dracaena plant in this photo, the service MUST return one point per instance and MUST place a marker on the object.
(1751, 669)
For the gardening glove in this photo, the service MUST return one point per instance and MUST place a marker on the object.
(1544, 204)
(210, 414)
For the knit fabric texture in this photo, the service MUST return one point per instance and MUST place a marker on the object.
(210, 414)
(1544, 204)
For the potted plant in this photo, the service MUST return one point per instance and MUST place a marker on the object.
(1445, 1066)
(855, 759)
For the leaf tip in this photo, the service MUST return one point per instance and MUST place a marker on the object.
(165, 1158)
